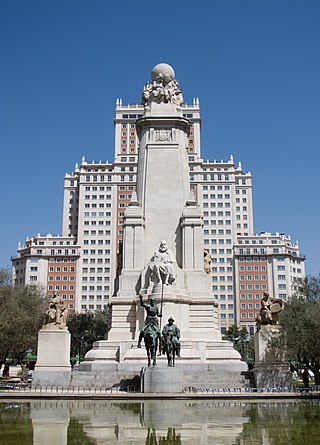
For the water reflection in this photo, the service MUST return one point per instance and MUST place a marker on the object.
(152, 422)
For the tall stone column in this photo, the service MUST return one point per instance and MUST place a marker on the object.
(163, 175)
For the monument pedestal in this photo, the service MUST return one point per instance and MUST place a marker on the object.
(161, 380)
(53, 357)
(270, 369)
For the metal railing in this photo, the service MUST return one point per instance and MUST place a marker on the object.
(245, 390)
(7, 387)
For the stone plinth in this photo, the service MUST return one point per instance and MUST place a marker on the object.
(161, 380)
(53, 357)
(271, 369)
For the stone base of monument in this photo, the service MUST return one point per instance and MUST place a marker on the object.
(203, 364)
(161, 380)
(272, 375)
(271, 370)
(53, 357)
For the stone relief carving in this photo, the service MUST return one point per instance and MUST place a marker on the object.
(162, 135)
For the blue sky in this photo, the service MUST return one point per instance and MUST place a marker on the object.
(254, 65)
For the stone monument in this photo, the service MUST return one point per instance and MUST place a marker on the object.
(53, 354)
(162, 253)
(270, 368)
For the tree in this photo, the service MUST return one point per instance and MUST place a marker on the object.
(5, 277)
(241, 341)
(21, 315)
(299, 332)
(86, 328)
(308, 287)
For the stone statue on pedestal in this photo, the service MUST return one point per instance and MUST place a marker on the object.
(269, 311)
(57, 312)
(161, 265)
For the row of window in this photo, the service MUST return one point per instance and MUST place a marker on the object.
(59, 278)
(98, 251)
(255, 268)
(129, 159)
(256, 277)
(250, 287)
(249, 315)
(59, 269)
(221, 269)
(255, 259)
(94, 214)
(97, 232)
(214, 196)
(223, 296)
(221, 278)
(219, 241)
(224, 316)
(54, 243)
(102, 205)
(96, 196)
(220, 260)
(94, 223)
(93, 269)
(222, 288)
(220, 222)
(64, 288)
(99, 242)
(92, 307)
(60, 260)
(95, 178)
(217, 232)
(102, 188)
(218, 187)
(250, 296)
(250, 305)
(92, 288)
(223, 306)
(94, 297)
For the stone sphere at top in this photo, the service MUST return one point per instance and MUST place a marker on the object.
(164, 69)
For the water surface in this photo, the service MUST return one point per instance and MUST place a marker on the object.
(154, 422)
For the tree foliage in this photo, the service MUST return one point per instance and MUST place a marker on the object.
(86, 328)
(241, 341)
(21, 315)
(300, 327)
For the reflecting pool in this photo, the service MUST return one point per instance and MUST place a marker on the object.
(154, 422)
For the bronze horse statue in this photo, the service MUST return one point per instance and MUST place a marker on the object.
(151, 344)
(170, 349)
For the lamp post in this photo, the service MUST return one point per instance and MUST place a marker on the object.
(244, 346)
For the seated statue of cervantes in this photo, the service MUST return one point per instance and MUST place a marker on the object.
(161, 265)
